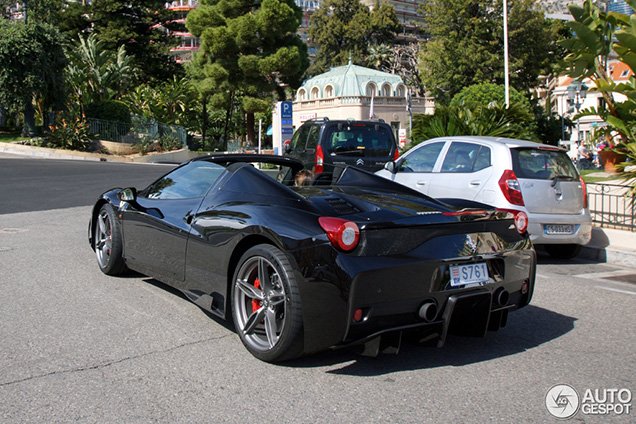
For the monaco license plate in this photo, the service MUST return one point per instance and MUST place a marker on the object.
(468, 274)
(559, 229)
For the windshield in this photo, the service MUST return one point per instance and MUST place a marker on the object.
(543, 164)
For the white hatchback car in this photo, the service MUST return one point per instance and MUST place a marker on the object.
(538, 179)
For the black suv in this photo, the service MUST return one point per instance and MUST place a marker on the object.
(321, 143)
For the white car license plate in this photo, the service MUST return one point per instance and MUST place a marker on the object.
(559, 229)
(469, 274)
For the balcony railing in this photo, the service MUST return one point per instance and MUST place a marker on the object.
(182, 4)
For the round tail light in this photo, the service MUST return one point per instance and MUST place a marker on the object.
(521, 221)
(342, 234)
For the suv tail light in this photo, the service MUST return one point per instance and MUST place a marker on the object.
(511, 188)
(585, 199)
(319, 161)
(343, 234)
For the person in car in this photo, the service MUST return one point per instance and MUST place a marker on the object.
(303, 178)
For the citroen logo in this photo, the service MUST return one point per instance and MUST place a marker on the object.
(360, 162)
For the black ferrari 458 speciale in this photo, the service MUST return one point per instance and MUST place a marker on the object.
(351, 259)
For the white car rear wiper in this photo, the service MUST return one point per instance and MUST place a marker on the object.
(562, 178)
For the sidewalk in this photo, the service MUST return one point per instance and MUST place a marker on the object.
(611, 246)
(607, 245)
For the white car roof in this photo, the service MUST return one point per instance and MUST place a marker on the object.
(510, 142)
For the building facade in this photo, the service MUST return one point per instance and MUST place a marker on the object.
(568, 99)
(188, 43)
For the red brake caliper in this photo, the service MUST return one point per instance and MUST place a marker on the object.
(256, 304)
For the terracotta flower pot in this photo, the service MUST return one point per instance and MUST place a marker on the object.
(610, 159)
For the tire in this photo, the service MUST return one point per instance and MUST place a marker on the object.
(266, 307)
(562, 251)
(108, 242)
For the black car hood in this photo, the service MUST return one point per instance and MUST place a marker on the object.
(346, 200)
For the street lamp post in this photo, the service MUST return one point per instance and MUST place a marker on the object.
(506, 71)
(577, 91)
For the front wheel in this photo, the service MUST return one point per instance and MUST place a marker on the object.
(562, 251)
(266, 306)
(108, 242)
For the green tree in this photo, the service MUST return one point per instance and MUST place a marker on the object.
(134, 24)
(487, 94)
(75, 20)
(249, 51)
(41, 11)
(32, 63)
(494, 120)
(345, 29)
(466, 45)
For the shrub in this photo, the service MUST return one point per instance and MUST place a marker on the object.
(109, 110)
(145, 145)
(72, 135)
(169, 142)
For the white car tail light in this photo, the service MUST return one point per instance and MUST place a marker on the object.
(511, 188)
(585, 199)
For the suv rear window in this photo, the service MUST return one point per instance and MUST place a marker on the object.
(540, 164)
(359, 140)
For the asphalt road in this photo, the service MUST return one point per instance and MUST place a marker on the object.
(28, 184)
(78, 346)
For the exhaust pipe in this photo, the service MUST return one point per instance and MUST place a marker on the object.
(501, 296)
(428, 311)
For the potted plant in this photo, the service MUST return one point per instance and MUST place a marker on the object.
(611, 157)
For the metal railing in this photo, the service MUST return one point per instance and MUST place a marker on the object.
(138, 130)
(610, 206)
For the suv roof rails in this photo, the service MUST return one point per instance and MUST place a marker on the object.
(322, 118)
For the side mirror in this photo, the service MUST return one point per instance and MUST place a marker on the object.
(128, 194)
(391, 167)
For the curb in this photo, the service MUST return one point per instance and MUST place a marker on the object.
(46, 152)
(175, 156)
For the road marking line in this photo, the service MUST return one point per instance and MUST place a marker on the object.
(616, 290)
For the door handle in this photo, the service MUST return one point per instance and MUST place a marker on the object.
(188, 218)
(475, 183)
(421, 183)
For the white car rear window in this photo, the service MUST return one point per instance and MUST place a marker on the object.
(543, 164)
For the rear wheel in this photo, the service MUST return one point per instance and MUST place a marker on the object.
(108, 243)
(266, 306)
(562, 251)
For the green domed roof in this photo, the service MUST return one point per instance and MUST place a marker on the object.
(352, 80)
